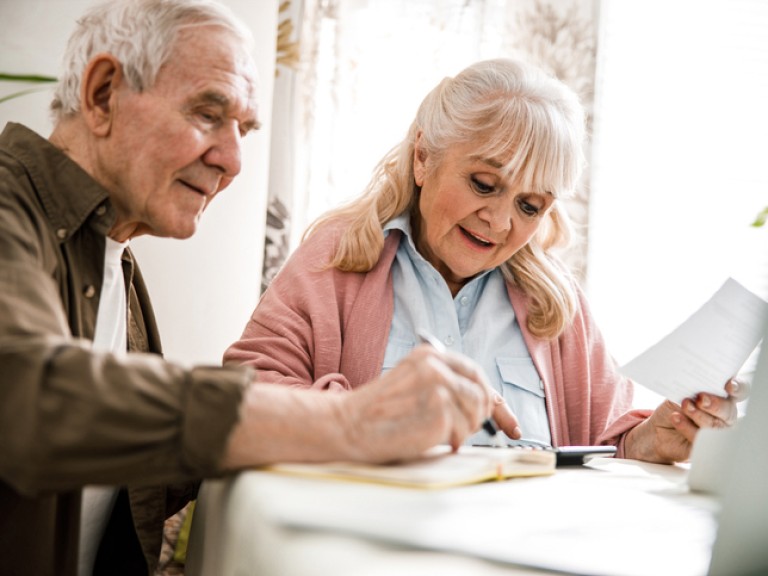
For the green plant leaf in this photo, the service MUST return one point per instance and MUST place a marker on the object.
(35, 78)
(25, 78)
(761, 219)
(22, 93)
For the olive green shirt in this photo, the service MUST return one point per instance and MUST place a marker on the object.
(70, 416)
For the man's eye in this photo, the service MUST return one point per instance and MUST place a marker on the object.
(209, 117)
(481, 187)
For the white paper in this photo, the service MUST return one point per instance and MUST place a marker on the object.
(706, 350)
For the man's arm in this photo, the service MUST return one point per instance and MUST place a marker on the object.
(427, 399)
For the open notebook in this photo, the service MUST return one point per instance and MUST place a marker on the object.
(438, 468)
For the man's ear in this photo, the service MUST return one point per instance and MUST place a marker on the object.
(419, 160)
(98, 92)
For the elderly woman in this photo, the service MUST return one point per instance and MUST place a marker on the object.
(456, 235)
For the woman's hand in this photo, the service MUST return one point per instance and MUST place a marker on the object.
(505, 418)
(669, 432)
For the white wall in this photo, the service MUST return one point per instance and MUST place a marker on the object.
(203, 288)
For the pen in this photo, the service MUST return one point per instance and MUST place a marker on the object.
(489, 425)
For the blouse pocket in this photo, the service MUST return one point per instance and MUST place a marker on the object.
(523, 391)
(395, 352)
(521, 374)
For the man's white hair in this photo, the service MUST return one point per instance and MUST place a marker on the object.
(141, 35)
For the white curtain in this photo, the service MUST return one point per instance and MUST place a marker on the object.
(364, 67)
(285, 169)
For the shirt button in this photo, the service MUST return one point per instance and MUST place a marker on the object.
(101, 210)
(89, 291)
(449, 340)
(464, 300)
(61, 233)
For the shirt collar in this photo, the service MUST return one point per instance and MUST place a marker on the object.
(68, 194)
(403, 223)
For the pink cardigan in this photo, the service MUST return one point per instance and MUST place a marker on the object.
(322, 328)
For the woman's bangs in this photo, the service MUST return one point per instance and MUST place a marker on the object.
(531, 145)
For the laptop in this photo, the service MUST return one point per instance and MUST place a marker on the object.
(741, 544)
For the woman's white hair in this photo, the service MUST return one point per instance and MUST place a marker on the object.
(141, 35)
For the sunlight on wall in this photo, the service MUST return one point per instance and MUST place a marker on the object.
(679, 165)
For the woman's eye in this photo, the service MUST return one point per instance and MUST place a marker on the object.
(528, 208)
(482, 187)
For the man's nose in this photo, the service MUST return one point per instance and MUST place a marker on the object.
(225, 151)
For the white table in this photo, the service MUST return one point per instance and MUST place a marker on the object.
(614, 517)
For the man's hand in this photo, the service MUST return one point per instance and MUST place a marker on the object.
(430, 397)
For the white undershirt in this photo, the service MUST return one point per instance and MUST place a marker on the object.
(111, 336)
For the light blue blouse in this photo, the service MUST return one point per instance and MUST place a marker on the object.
(479, 322)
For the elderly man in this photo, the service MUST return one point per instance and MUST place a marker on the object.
(101, 440)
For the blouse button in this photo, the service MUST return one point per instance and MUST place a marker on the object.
(449, 340)
(89, 291)
(101, 210)
(464, 300)
(61, 233)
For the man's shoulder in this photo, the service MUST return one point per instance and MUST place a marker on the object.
(19, 202)
(14, 138)
(35, 170)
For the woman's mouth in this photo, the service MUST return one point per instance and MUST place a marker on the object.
(475, 239)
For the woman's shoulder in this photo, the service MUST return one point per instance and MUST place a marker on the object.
(326, 231)
(322, 237)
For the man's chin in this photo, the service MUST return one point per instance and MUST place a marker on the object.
(175, 232)
(184, 233)
(181, 230)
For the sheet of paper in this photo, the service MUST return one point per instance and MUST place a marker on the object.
(707, 349)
